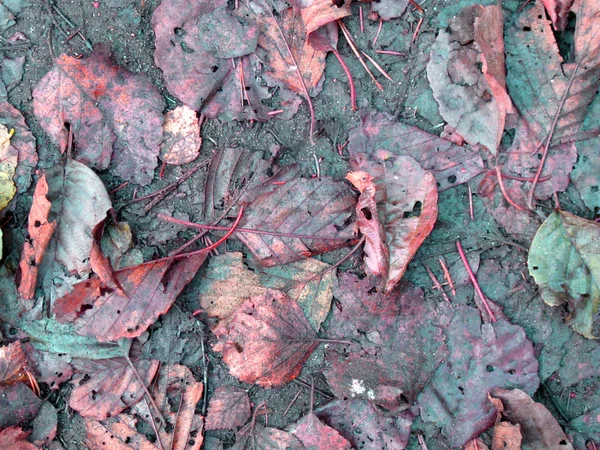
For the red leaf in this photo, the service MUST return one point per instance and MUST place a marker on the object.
(120, 433)
(150, 289)
(266, 340)
(229, 407)
(558, 10)
(105, 387)
(315, 435)
(320, 208)
(40, 232)
(12, 360)
(318, 13)
(16, 439)
(96, 97)
(365, 426)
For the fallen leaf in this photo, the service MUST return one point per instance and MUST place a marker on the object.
(318, 13)
(539, 428)
(506, 436)
(563, 259)
(377, 253)
(586, 173)
(18, 405)
(149, 291)
(308, 207)
(44, 426)
(228, 407)
(257, 436)
(389, 9)
(16, 439)
(22, 145)
(105, 387)
(12, 361)
(114, 115)
(476, 444)
(466, 74)
(481, 357)
(398, 343)
(558, 11)
(229, 279)
(40, 232)
(365, 426)
(379, 139)
(49, 368)
(122, 435)
(181, 141)
(315, 435)
(8, 166)
(542, 85)
(267, 340)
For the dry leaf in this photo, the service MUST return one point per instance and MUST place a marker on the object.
(228, 407)
(182, 141)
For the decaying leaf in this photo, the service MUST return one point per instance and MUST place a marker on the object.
(379, 139)
(377, 253)
(398, 343)
(257, 436)
(466, 73)
(542, 85)
(229, 279)
(16, 439)
(307, 207)
(267, 340)
(119, 433)
(365, 426)
(564, 260)
(229, 407)
(481, 357)
(539, 428)
(18, 405)
(314, 434)
(149, 290)
(558, 11)
(318, 13)
(12, 360)
(181, 142)
(114, 115)
(40, 232)
(105, 387)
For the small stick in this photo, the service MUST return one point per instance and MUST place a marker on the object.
(301, 382)
(141, 381)
(422, 442)
(556, 201)
(461, 252)
(416, 33)
(437, 283)
(447, 276)
(349, 76)
(204, 377)
(318, 168)
(377, 66)
(360, 15)
(390, 52)
(357, 53)
(274, 113)
(119, 187)
(471, 211)
(504, 193)
(292, 402)
(513, 177)
(378, 31)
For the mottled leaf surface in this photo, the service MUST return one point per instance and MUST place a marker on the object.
(228, 407)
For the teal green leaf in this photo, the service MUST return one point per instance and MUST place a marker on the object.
(564, 259)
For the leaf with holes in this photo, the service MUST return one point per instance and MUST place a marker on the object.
(105, 387)
(229, 279)
(558, 10)
(229, 407)
(481, 357)
(306, 207)
(266, 340)
(398, 342)
(379, 139)
(149, 290)
(553, 95)
(564, 261)
(114, 115)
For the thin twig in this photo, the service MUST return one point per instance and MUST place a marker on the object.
(503, 190)
(378, 32)
(292, 402)
(301, 382)
(378, 67)
(436, 283)
(447, 276)
(349, 76)
(461, 252)
(145, 388)
(471, 211)
(352, 45)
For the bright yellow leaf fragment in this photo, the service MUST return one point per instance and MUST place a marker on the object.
(8, 165)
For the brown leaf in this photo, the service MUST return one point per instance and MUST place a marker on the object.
(472, 100)
(256, 436)
(181, 143)
(40, 232)
(12, 360)
(539, 428)
(16, 439)
(229, 279)
(100, 264)
(121, 434)
(309, 207)
(105, 387)
(506, 436)
(318, 13)
(229, 407)
(378, 140)
(113, 114)
(377, 253)
(149, 291)
(267, 340)
(49, 368)
(18, 405)
(314, 434)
